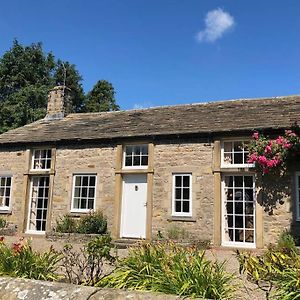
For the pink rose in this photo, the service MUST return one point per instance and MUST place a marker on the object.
(268, 149)
(255, 135)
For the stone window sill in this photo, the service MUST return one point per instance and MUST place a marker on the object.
(181, 219)
(5, 212)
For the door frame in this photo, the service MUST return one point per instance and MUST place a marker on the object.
(27, 230)
(122, 204)
(223, 195)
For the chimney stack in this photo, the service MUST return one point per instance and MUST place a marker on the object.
(59, 103)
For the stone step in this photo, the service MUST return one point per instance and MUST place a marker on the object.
(125, 243)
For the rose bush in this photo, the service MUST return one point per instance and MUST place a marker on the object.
(273, 155)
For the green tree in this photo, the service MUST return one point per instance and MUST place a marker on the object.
(27, 74)
(101, 98)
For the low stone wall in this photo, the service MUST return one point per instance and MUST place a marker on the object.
(27, 289)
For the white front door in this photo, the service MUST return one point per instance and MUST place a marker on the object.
(134, 206)
(238, 210)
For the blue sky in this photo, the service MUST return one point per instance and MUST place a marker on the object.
(164, 52)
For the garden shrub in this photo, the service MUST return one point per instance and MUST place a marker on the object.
(66, 224)
(20, 260)
(90, 264)
(276, 271)
(3, 223)
(93, 223)
(171, 269)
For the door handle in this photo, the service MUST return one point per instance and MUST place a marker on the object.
(145, 204)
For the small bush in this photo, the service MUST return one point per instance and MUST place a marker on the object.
(276, 271)
(90, 264)
(66, 224)
(20, 260)
(3, 223)
(176, 233)
(92, 223)
(171, 269)
(286, 243)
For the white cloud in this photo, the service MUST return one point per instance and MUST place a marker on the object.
(142, 105)
(217, 22)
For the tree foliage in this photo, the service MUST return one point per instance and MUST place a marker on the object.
(27, 74)
(101, 98)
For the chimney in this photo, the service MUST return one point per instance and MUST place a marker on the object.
(59, 103)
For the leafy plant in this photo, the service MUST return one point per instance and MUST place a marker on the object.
(176, 233)
(90, 264)
(276, 271)
(20, 260)
(92, 223)
(3, 223)
(171, 269)
(272, 155)
(66, 224)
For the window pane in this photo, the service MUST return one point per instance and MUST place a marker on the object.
(144, 150)
(230, 221)
(186, 206)
(230, 194)
(238, 158)
(229, 207)
(91, 193)
(91, 204)
(83, 203)
(84, 192)
(92, 180)
(85, 181)
(177, 206)
(178, 181)
(238, 146)
(136, 150)
(227, 146)
(238, 195)
(137, 161)
(248, 181)
(228, 158)
(128, 161)
(239, 222)
(186, 181)
(128, 150)
(76, 203)
(78, 181)
(144, 161)
(239, 209)
(238, 181)
(178, 194)
(186, 193)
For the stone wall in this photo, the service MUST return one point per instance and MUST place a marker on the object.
(98, 159)
(277, 198)
(14, 162)
(193, 157)
(17, 288)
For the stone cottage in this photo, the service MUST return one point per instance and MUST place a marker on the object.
(149, 169)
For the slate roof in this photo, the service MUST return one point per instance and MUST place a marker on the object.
(202, 118)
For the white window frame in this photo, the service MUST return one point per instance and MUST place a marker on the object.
(182, 214)
(231, 165)
(34, 231)
(124, 157)
(82, 210)
(5, 208)
(297, 191)
(223, 195)
(32, 160)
